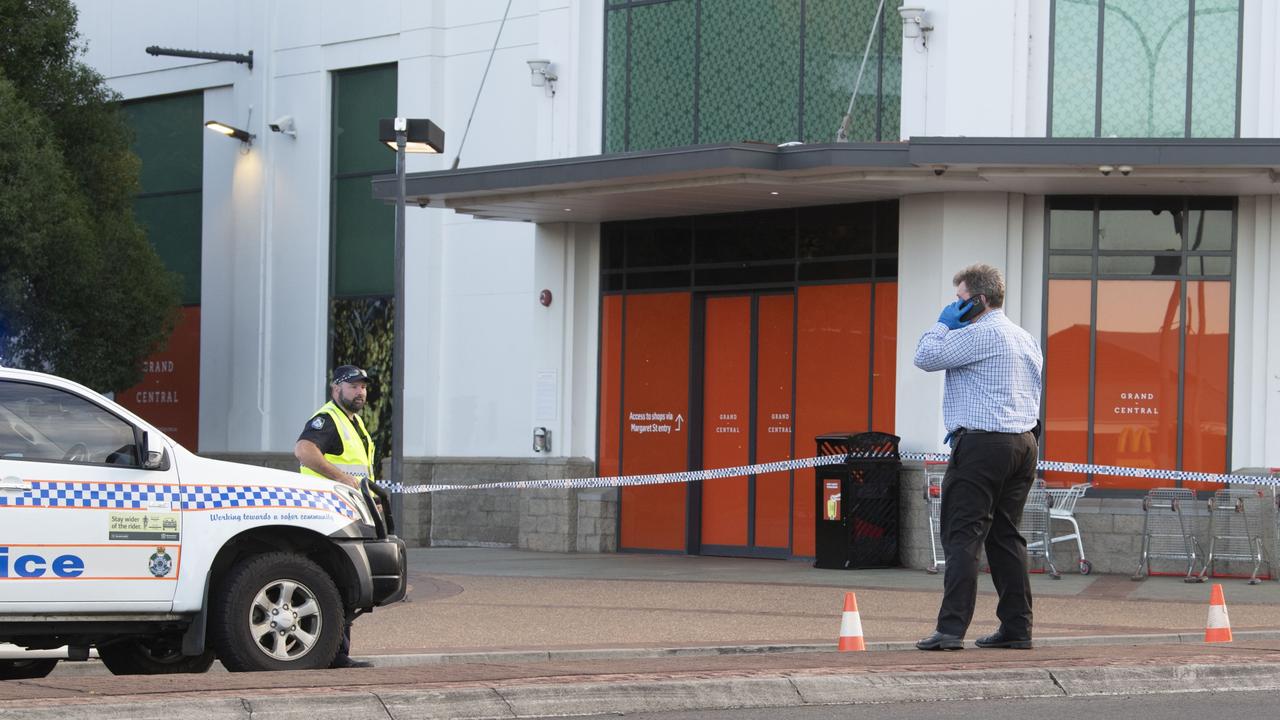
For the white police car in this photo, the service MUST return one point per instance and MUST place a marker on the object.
(115, 537)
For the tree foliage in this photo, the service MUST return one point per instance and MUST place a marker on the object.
(82, 292)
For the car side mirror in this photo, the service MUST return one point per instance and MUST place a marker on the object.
(152, 453)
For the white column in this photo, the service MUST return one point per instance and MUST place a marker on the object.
(940, 234)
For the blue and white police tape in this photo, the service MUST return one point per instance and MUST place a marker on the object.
(784, 465)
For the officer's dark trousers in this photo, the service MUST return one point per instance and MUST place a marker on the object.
(983, 493)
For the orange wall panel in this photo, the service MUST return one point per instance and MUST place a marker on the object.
(1206, 376)
(833, 364)
(655, 410)
(726, 418)
(885, 370)
(775, 338)
(169, 394)
(610, 385)
(1066, 378)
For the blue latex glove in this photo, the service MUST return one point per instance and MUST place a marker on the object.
(951, 315)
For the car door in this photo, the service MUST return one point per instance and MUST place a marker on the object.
(82, 524)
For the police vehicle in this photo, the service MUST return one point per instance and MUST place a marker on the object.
(113, 536)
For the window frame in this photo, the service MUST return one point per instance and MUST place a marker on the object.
(136, 432)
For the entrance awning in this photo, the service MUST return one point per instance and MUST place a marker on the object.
(710, 179)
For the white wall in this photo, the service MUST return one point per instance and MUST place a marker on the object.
(982, 71)
(1255, 420)
(476, 336)
(940, 234)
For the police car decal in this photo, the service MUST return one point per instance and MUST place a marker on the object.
(137, 496)
(160, 563)
(118, 561)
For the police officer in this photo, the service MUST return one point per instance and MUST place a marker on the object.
(336, 445)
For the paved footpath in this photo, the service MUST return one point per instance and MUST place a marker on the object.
(501, 633)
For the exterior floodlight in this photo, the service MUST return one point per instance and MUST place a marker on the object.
(420, 136)
(914, 22)
(220, 127)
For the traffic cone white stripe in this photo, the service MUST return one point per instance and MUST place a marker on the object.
(851, 626)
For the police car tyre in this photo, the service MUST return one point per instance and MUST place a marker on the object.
(276, 611)
(152, 656)
(26, 669)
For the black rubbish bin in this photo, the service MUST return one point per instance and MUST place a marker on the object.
(857, 501)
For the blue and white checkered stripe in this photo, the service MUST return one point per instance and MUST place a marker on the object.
(136, 496)
(784, 465)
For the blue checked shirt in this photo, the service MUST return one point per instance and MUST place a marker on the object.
(993, 373)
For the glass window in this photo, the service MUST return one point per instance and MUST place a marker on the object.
(1159, 59)
(1075, 68)
(660, 243)
(1214, 72)
(840, 230)
(1137, 354)
(44, 423)
(745, 237)
(1071, 229)
(835, 37)
(1140, 225)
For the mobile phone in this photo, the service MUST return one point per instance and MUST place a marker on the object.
(975, 306)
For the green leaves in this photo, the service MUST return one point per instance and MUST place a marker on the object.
(82, 293)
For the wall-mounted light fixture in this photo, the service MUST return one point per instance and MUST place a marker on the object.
(915, 23)
(420, 135)
(243, 136)
(541, 74)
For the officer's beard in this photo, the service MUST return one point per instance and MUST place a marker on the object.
(352, 406)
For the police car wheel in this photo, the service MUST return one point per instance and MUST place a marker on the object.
(26, 669)
(152, 656)
(277, 611)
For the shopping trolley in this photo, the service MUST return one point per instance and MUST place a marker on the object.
(934, 471)
(1035, 527)
(1167, 532)
(1235, 529)
(1063, 507)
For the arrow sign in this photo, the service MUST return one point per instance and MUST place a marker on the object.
(679, 422)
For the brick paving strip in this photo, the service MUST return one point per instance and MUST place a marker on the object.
(632, 685)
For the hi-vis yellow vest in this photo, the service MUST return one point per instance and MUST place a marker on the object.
(357, 447)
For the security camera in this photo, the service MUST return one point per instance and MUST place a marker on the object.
(284, 125)
(939, 169)
(1105, 169)
(1125, 170)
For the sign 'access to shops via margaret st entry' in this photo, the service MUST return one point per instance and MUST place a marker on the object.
(655, 422)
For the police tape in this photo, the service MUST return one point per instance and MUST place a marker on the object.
(821, 460)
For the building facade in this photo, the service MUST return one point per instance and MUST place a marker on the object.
(656, 252)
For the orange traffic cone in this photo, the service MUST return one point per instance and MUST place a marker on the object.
(851, 626)
(1219, 626)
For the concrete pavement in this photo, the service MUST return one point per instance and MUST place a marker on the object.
(503, 633)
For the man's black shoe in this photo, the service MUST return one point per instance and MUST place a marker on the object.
(999, 639)
(941, 641)
(345, 661)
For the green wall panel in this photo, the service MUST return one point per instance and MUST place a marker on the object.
(750, 71)
(364, 232)
(1216, 52)
(168, 138)
(172, 223)
(1075, 67)
(835, 38)
(662, 73)
(615, 83)
(360, 98)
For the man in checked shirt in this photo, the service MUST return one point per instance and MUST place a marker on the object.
(991, 408)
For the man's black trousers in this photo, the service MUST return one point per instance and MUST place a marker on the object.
(983, 494)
